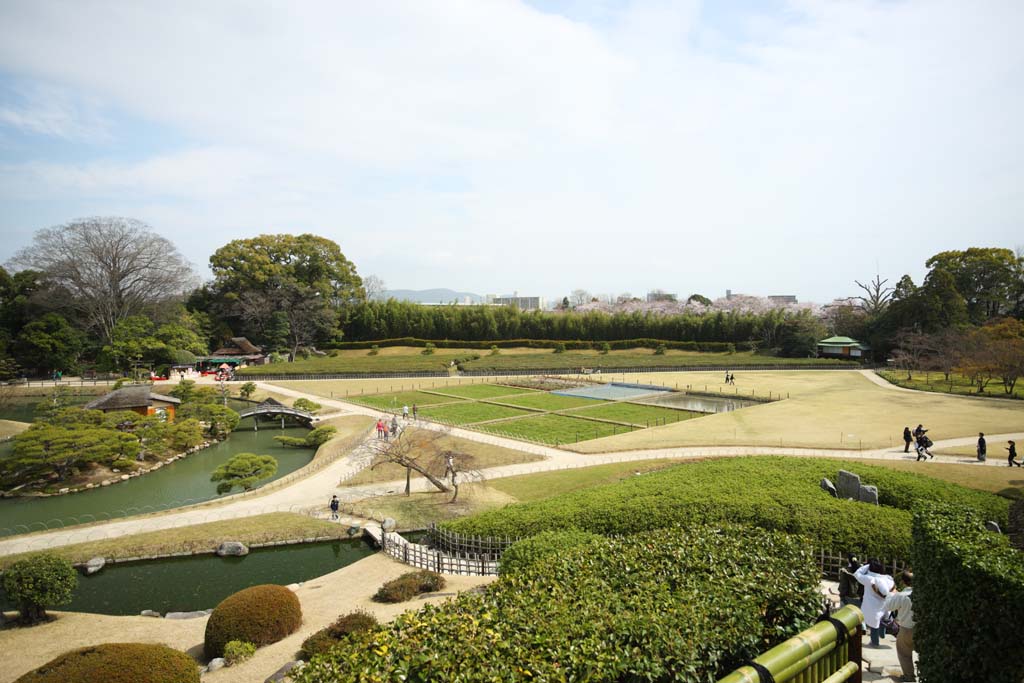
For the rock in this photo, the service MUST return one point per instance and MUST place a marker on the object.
(354, 529)
(125, 477)
(94, 565)
(848, 485)
(868, 494)
(993, 526)
(216, 663)
(105, 482)
(282, 673)
(388, 524)
(294, 587)
(827, 486)
(149, 613)
(116, 471)
(64, 490)
(232, 549)
(90, 485)
(185, 615)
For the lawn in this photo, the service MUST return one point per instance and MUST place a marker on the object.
(634, 413)
(470, 412)
(481, 391)
(1002, 481)
(958, 384)
(398, 399)
(544, 401)
(552, 429)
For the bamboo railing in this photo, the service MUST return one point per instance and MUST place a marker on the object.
(819, 654)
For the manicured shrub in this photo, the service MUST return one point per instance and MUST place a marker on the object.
(428, 349)
(495, 350)
(559, 347)
(968, 598)
(260, 615)
(605, 348)
(666, 605)
(768, 492)
(342, 628)
(306, 405)
(38, 582)
(660, 350)
(238, 651)
(117, 663)
(374, 350)
(408, 586)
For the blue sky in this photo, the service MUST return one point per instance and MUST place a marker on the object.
(491, 146)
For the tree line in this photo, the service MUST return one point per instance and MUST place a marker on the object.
(104, 293)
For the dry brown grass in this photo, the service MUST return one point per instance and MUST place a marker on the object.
(9, 428)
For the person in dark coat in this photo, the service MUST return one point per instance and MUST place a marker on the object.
(908, 438)
(982, 447)
(849, 588)
(1011, 458)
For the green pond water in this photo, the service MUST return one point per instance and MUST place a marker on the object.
(183, 482)
(184, 584)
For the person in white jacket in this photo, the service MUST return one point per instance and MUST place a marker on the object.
(901, 603)
(872, 575)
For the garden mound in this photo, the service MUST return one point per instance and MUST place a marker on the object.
(669, 605)
(775, 493)
(117, 663)
(259, 614)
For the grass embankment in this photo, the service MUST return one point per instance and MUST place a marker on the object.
(9, 428)
(957, 384)
(1002, 481)
(275, 526)
(411, 359)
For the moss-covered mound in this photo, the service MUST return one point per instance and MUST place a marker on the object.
(117, 663)
(260, 615)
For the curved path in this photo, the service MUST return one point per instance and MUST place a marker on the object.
(312, 493)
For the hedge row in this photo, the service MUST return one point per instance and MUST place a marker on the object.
(547, 344)
(667, 606)
(769, 492)
(968, 599)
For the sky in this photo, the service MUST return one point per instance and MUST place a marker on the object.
(495, 145)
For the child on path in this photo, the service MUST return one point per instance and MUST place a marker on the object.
(334, 507)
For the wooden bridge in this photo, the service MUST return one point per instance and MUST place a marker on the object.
(272, 408)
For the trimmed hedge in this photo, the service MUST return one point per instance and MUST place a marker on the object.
(408, 586)
(326, 638)
(259, 614)
(709, 346)
(669, 605)
(117, 663)
(777, 493)
(968, 599)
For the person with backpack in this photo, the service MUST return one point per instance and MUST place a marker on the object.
(334, 504)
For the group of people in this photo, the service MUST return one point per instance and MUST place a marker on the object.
(1011, 459)
(384, 430)
(869, 587)
(730, 378)
(918, 437)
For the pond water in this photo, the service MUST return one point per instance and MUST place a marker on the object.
(182, 482)
(700, 404)
(184, 584)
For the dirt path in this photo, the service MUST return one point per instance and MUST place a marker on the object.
(323, 600)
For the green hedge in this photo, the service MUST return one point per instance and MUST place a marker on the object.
(117, 663)
(719, 347)
(344, 626)
(968, 599)
(259, 614)
(407, 586)
(769, 492)
(669, 605)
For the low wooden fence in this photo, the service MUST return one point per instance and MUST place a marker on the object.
(424, 557)
(828, 652)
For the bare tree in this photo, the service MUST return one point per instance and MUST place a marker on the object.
(878, 295)
(911, 349)
(458, 465)
(578, 297)
(374, 287)
(413, 449)
(110, 268)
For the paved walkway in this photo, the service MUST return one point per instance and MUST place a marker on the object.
(311, 493)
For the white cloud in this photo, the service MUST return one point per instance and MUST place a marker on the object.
(534, 150)
(55, 112)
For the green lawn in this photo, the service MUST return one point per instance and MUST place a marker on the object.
(480, 391)
(397, 399)
(634, 413)
(470, 412)
(546, 401)
(552, 429)
(957, 384)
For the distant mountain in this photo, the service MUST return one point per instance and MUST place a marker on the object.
(432, 296)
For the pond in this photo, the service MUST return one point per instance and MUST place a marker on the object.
(700, 403)
(184, 584)
(182, 482)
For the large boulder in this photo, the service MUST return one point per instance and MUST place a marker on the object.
(848, 485)
(232, 549)
(388, 524)
(94, 565)
(868, 494)
(828, 487)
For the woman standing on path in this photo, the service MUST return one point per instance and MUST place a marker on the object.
(907, 439)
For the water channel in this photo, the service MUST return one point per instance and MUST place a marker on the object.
(184, 584)
(182, 482)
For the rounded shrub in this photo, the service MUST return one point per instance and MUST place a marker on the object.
(37, 582)
(117, 663)
(326, 638)
(260, 615)
(408, 586)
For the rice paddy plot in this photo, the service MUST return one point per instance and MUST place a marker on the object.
(635, 413)
(469, 412)
(478, 391)
(553, 429)
(395, 400)
(545, 401)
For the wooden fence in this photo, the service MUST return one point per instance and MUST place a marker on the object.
(424, 557)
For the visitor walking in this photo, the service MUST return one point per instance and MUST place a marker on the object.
(415, 412)
(872, 605)
(732, 378)
(849, 588)
(1011, 458)
(394, 425)
(901, 604)
(380, 428)
(982, 447)
(405, 412)
(334, 504)
(908, 438)
(726, 376)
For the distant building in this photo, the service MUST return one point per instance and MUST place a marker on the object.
(728, 295)
(842, 347)
(524, 303)
(239, 351)
(782, 299)
(138, 399)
